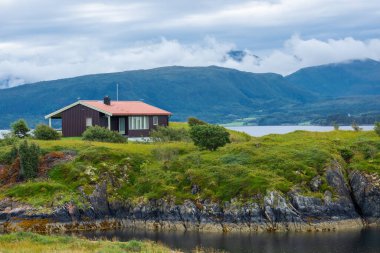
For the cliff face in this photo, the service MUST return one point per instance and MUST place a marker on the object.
(353, 203)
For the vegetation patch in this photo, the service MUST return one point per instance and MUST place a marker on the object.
(33, 243)
(242, 169)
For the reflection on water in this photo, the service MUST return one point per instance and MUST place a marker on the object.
(358, 241)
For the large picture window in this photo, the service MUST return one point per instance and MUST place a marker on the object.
(138, 122)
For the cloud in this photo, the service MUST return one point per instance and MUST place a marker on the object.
(26, 62)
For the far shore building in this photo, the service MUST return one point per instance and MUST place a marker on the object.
(129, 118)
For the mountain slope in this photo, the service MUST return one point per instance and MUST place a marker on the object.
(212, 93)
(355, 78)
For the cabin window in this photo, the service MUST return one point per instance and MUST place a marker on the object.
(88, 122)
(138, 122)
(155, 120)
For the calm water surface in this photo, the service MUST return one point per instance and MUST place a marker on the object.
(358, 241)
(264, 130)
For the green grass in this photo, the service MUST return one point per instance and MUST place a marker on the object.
(34, 243)
(246, 167)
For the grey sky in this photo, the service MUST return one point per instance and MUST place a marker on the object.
(45, 39)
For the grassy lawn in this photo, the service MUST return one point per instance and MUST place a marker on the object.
(246, 167)
(34, 243)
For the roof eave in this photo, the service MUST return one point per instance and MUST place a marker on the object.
(74, 104)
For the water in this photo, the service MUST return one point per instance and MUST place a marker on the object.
(264, 130)
(3, 132)
(356, 241)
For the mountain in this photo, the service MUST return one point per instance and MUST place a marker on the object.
(343, 93)
(212, 93)
(353, 78)
(10, 81)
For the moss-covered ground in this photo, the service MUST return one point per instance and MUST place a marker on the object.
(246, 167)
(34, 243)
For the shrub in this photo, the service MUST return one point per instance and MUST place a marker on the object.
(377, 128)
(9, 139)
(44, 132)
(29, 160)
(336, 126)
(165, 134)
(20, 128)
(356, 127)
(195, 122)
(346, 154)
(97, 133)
(209, 137)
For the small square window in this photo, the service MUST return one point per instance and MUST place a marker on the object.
(155, 120)
(88, 122)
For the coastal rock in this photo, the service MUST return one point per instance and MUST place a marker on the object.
(366, 194)
(316, 183)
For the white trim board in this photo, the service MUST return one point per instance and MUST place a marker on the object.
(74, 104)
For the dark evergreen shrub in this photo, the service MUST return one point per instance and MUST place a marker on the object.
(44, 132)
(97, 133)
(29, 160)
(209, 137)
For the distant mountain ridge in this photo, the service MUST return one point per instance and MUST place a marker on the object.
(353, 78)
(214, 94)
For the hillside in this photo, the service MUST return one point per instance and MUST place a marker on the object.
(342, 93)
(355, 78)
(212, 93)
(301, 181)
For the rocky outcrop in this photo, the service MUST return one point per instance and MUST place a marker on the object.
(366, 195)
(351, 203)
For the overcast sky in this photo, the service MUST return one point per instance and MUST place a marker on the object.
(46, 39)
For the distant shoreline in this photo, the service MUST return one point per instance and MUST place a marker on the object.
(258, 131)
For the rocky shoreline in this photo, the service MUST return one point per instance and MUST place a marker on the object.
(353, 202)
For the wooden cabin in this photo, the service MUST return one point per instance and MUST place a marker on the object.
(129, 118)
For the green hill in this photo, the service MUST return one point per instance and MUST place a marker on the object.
(341, 92)
(211, 93)
(360, 77)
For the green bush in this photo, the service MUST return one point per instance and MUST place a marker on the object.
(44, 132)
(20, 128)
(165, 134)
(194, 122)
(97, 133)
(377, 128)
(29, 160)
(346, 154)
(9, 139)
(209, 137)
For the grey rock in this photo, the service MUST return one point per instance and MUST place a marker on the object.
(366, 194)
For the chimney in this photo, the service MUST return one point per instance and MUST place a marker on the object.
(107, 100)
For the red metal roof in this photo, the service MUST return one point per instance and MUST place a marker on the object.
(126, 108)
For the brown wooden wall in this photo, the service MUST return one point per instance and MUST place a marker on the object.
(162, 121)
(74, 120)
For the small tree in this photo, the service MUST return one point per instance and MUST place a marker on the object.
(377, 128)
(356, 127)
(194, 122)
(44, 132)
(336, 126)
(20, 128)
(29, 160)
(209, 137)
